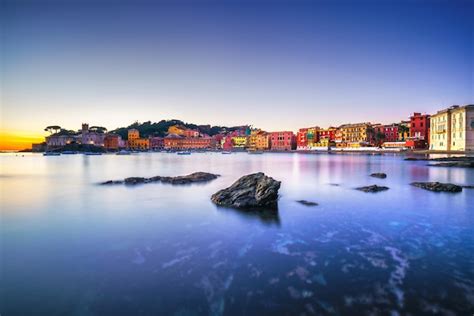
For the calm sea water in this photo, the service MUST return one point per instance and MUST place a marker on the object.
(72, 247)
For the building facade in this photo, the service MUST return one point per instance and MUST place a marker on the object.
(452, 129)
(112, 141)
(157, 143)
(302, 139)
(283, 141)
(420, 126)
(356, 134)
(135, 142)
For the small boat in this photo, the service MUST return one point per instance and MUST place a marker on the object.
(51, 153)
(123, 152)
(69, 152)
(255, 152)
(89, 153)
(184, 153)
(226, 152)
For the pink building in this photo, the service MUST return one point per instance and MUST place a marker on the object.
(282, 140)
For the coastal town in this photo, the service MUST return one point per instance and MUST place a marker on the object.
(448, 130)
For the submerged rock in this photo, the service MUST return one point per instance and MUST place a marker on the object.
(190, 178)
(459, 164)
(379, 175)
(438, 186)
(307, 203)
(372, 188)
(251, 191)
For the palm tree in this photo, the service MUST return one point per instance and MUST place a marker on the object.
(402, 130)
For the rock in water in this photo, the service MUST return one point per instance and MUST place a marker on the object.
(190, 178)
(307, 203)
(379, 175)
(372, 188)
(251, 191)
(438, 186)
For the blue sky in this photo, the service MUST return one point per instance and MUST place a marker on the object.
(276, 65)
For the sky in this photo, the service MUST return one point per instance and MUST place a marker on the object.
(276, 65)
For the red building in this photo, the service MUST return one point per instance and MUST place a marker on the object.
(227, 143)
(390, 132)
(302, 138)
(420, 126)
(112, 141)
(329, 133)
(282, 140)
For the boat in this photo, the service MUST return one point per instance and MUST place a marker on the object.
(226, 152)
(89, 153)
(51, 153)
(123, 152)
(69, 152)
(184, 153)
(255, 152)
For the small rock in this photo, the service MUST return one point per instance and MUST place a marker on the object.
(438, 186)
(379, 175)
(251, 191)
(372, 188)
(307, 203)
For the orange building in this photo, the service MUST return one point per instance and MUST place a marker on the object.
(176, 142)
(135, 142)
(112, 141)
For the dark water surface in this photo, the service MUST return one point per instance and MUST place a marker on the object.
(72, 247)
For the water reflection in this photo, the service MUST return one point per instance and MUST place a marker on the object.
(70, 246)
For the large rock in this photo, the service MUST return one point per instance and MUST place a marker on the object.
(251, 191)
(190, 178)
(438, 186)
(372, 188)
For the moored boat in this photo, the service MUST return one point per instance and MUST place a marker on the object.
(123, 152)
(51, 153)
(226, 152)
(184, 153)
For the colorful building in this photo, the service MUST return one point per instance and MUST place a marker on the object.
(420, 126)
(328, 133)
(452, 129)
(157, 143)
(390, 133)
(135, 142)
(262, 141)
(240, 142)
(356, 135)
(283, 141)
(112, 141)
(177, 142)
(176, 130)
(302, 139)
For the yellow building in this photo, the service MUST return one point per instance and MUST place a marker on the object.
(312, 136)
(135, 142)
(177, 129)
(324, 142)
(240, 141)
(253, 138)
(355, 133)
(452, 129)
(262, 141)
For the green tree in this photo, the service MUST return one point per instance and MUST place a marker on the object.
(53, 129)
